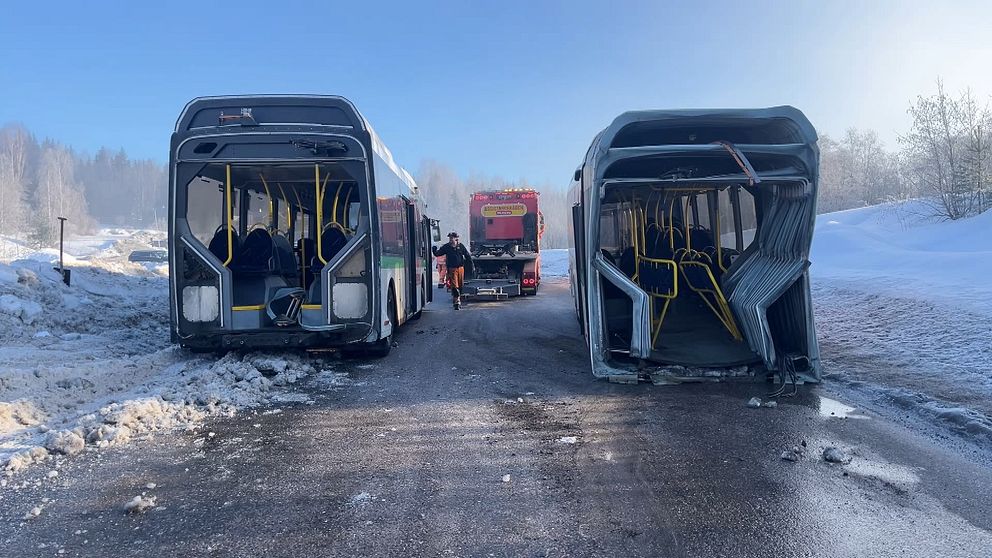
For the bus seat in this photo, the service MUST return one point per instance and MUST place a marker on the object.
(332, 241)
(218, 245)
(283, 259)
(679, 235)
(628, 262)
(256, 251)
(658, 278)
(700, 238)
(659, 246)
(696, 269)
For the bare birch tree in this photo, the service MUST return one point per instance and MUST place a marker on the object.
(948, 154)
(58, 195)
(14, 142)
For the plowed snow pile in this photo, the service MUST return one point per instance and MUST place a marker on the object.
(91, 365)
(904, 310)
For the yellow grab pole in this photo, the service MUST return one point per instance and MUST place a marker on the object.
(268, 194)
(320, 211)
(289, 210)
(717, 234)
(686, 215)
(303, 234)
(345, 211)
(230, 219)
(334, 211)
(671, 224)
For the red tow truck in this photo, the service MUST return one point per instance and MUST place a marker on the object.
(505, 228)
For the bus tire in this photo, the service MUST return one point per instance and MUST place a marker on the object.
(420, 313)
(380, 348)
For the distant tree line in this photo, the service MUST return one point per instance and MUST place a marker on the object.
(945, 159)
(43, 180)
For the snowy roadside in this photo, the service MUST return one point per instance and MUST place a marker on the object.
(554, 263)
(904, 312)
(90, 366)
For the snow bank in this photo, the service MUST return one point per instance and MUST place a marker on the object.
(90, 365)
(903, 307)
(892, 249)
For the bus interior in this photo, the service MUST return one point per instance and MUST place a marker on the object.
(710, 217)
(677, 244)
(276, 226)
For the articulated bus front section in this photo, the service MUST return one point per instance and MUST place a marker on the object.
(272, 240)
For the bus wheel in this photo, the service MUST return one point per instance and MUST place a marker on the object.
(380, 348)
(420, 313)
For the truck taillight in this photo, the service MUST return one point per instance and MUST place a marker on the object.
(529, 279)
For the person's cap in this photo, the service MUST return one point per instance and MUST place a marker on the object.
(452, 234)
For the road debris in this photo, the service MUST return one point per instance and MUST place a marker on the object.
(794, 454)
(139, 504)
(835, 455)
(754, 402)
(568, 440)
(506, 478)
(360, 499)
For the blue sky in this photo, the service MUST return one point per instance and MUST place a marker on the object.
(515, 89)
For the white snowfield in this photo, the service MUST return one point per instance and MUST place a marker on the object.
(903, 308)
(91, 365)
(554, 263)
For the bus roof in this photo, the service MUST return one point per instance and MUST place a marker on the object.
(781, 124)
(286, 110)
(637, 133)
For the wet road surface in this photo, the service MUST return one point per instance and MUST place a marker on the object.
(484, 434)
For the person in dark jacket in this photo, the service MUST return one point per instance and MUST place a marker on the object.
(456, 258)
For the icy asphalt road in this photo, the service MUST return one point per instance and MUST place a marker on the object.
(410, 457)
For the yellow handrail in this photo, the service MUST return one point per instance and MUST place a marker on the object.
(346, 211)
(268, 194)
(718, 232)
(334, 209)
(303, 235)
(289, 210)
(230, 219)
(320, 211)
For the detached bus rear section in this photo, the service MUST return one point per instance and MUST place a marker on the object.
(690, 242)
(290, 226)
